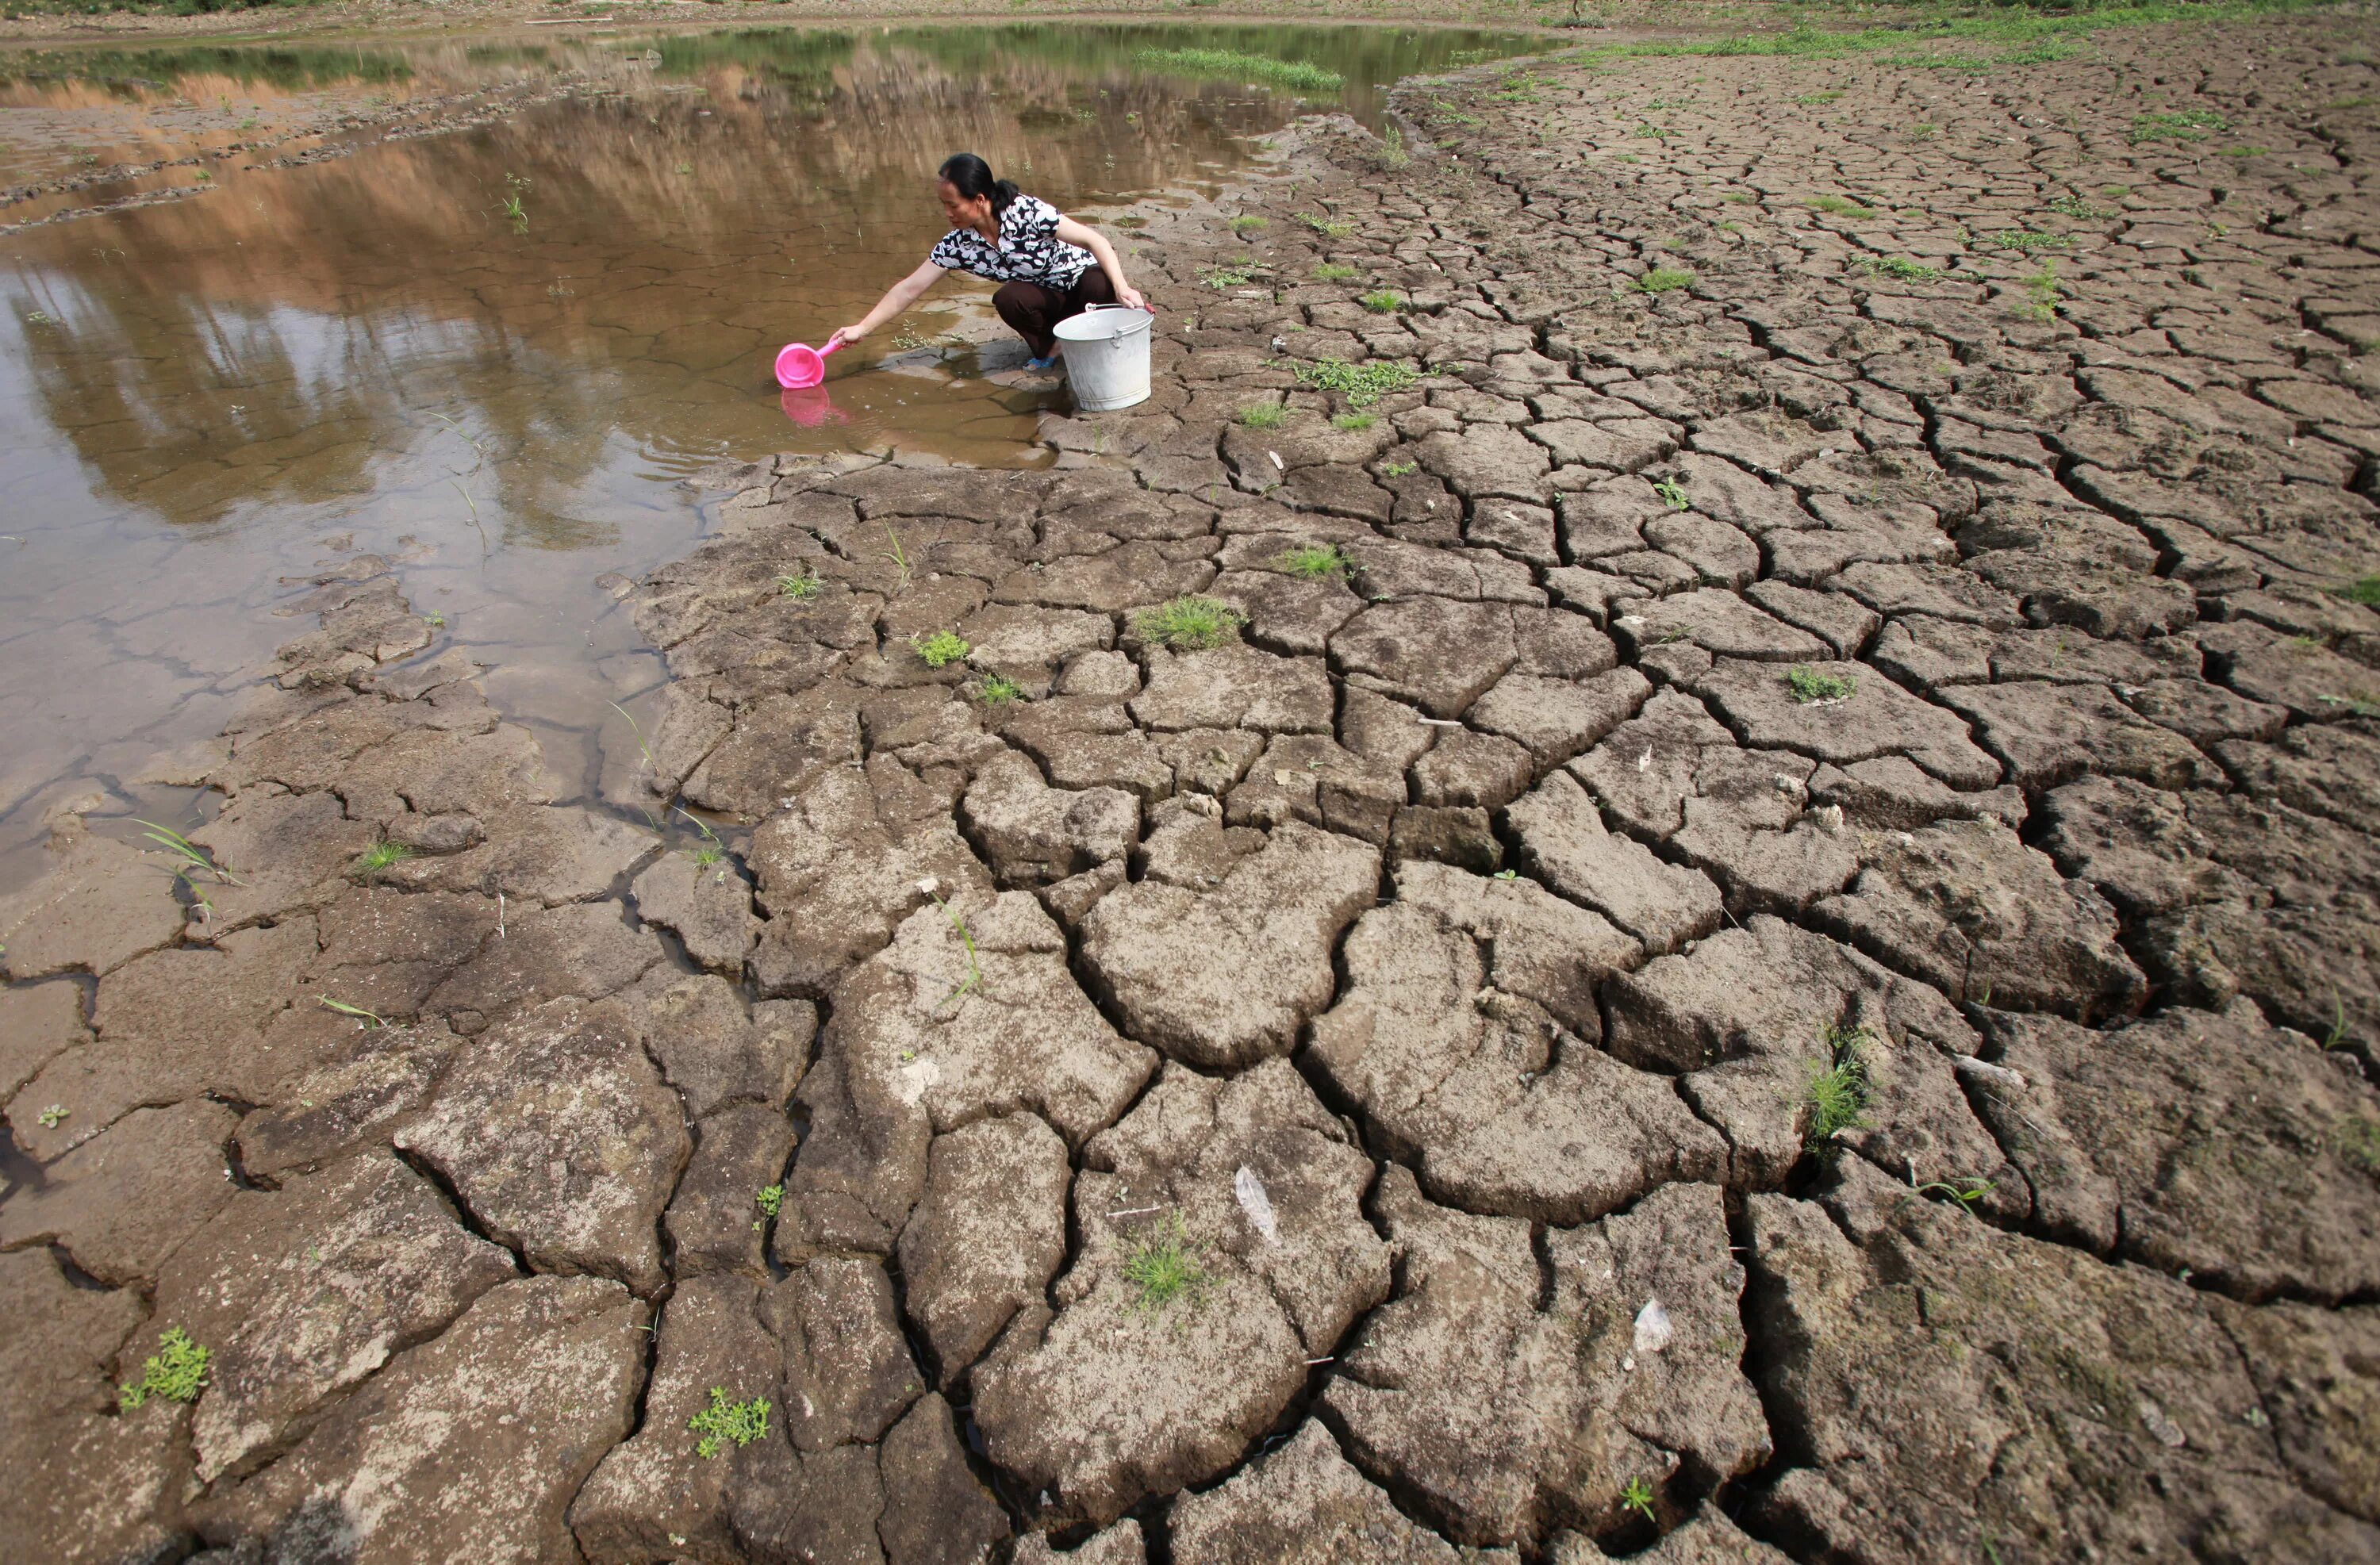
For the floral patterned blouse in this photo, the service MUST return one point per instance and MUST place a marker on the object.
(1029, 250)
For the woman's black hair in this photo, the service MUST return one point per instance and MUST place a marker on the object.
(971, 176)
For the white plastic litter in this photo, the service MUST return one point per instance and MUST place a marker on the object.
(1250, 1192)
(1653, 1328)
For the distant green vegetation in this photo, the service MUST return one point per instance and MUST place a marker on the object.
(1235, 64)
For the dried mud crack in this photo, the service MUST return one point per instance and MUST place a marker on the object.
(1740, 926)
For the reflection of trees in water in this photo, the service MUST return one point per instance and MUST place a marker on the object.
(334, 304)
(141, 73)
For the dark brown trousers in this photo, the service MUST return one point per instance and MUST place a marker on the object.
(1032, 311)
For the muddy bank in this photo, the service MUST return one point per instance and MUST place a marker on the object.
(1734, 921)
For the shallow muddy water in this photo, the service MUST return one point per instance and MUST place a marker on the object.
(491, 352)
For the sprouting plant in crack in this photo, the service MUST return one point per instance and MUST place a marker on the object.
(727, 1420)
(1838, 206)
(941, 649)
(1837, 1092)
(1334, 272)
(190, 859)
(1900, 269)
(999, 690)
(176, 1371)
(711, 851)
(2041, 292)
(1664, 279)
(2357, 1140)
(1381, 302)
(1248, 222)
(802, 586)
(1328, 227)
(1265, 415)
(1354, 421)
(1189, 623)
(51, 1117)
(1397, 469)
(1965, 1189)
(768, 1199)
(1234, 274)
(1164, 1266)
(1807, 685)
(1636, 1495)
(369, 1018)
(898, 556)
(1314, 562)
(967, 938)
(640, 732)
(2363, 589)
(1673, 495)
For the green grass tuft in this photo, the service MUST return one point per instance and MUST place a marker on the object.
(1381, 303)
(1808, 684)
(1360, 385)
(1242, 66)
(176, 1371)
(1637, 1496)
(1165, 1267)
(2029, 241)
(1238, 274)
(1900, 269)
(769, 1198)
(2358, 1139)
(725, 1421)
(1836, 1094)
(1189, 623)
(2178, 124)
(1355, 420)
(1250, 224)
(2365, 590)
(1335, 272)
(1838, 206)
(941, 649)
(1328, 227)
(381, 856)
(1265, 415)
(1663, 279)
(802, 586)
(999, 690)
(1312, 562)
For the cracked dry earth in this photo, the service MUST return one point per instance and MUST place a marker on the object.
(1441, 968)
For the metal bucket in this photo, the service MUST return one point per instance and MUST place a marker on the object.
(1107, 355)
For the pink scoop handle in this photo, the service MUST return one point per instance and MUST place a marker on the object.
(800, 366)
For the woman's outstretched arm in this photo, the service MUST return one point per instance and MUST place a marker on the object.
(1091, 240)
(897, 297)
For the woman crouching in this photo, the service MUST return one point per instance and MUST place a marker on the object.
(1049, 266)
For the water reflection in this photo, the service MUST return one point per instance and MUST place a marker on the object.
(376, 350)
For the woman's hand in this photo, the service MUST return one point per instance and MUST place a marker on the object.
(842, 336)
(1135, 298)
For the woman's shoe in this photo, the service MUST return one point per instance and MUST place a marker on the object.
(1037, 364)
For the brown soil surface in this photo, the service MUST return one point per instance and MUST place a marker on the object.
(1773, 957)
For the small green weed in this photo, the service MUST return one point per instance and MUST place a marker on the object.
(2041, 292)
(1250, 224)
(53, 1117)
(344, 1008)
(2365, 590)
(1312, 562)
(1189, 623)
(1664, 279)
(1673, 495)
(191, 860)
(769, 1198)
(999, 690)
(1966, 1189)
(941, 649)
(1166, 1268)
(2079, 209)
(1819, 97)
(1637, 1496)
(434, 620)
(1381, 303)
(1265, 415)
(1900, 269)
(1922, 131)
(1328, 227)
(2028, 240)
(2357, 1140)
(967, 938)
(176, 1371)
(1360, 385)
(725, 1421)
(1238, 274)
(1809, 685)
(2181, 124)
(1397, 469)
(801, 587)
(898, 556)
(1836, 1094)
(1393, 155)
(1355, 421)
(381, 856)
(1838, 206)
(1335, 272)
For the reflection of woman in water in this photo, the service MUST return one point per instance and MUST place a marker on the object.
(1048, 266)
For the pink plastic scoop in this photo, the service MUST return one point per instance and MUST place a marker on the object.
(800, 366)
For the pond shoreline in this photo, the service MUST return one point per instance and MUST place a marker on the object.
(1580, 895)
